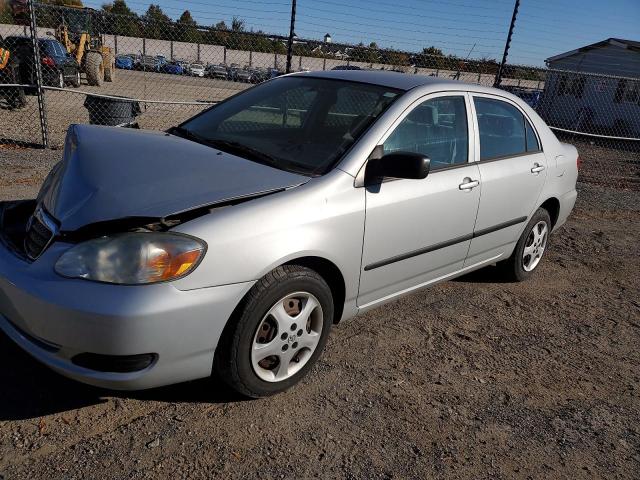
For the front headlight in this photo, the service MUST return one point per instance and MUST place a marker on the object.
(132, 258)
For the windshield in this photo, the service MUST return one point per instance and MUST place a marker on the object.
(300, 124)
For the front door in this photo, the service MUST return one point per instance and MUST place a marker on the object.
(419, 230)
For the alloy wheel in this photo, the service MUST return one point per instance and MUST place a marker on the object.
(534, 246)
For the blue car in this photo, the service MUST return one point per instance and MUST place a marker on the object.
(174, 68)
(125, 62)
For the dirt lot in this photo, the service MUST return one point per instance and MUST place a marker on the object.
(471, 379)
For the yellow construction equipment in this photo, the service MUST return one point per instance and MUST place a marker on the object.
(79, 33)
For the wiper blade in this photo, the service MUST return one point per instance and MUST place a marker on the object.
(188, 134)
(244, 150)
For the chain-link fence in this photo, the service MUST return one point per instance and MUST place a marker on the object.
(103, 67)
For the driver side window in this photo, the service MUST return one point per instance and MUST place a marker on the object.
(436, 128)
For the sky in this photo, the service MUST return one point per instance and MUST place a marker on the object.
(474, 28)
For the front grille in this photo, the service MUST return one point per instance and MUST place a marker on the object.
(40, 232)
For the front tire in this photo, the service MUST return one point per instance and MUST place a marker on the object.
(277, 332)
(530, 248)
(94, 69)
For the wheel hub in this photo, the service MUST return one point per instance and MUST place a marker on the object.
(287, 337)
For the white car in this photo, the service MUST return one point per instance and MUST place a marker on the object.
(196, 69)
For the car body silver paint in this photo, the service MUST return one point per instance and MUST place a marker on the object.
(332, 217)
(110, 173)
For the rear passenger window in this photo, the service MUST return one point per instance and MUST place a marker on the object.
(532, 141)
(502, 129)
(436, 128)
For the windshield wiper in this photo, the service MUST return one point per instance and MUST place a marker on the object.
(246, 152)
(240, 149)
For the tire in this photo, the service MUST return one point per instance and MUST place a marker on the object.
(521, 265)
(94, 69)
(109, 68)
(76, 80)
(16, 97)
(236, 359)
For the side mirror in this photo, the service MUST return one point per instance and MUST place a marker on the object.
(406, 165)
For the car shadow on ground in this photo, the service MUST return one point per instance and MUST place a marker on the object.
(31, 390)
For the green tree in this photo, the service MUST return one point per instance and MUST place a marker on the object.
(156, 23)
(120, 19)
(237, 24)
(187, 29)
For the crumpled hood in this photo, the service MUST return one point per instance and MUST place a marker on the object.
(110, 173)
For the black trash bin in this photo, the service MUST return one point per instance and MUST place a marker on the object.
(111, 110)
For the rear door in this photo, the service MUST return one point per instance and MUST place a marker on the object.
(512, 171)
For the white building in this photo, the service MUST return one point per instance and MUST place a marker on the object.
(595, 89)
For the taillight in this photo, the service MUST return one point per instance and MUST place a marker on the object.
(579, 162)
(48, 61)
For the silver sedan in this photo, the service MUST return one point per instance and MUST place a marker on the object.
(232, 243)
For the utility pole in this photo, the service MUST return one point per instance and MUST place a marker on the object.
(291, 35)
(498, 78)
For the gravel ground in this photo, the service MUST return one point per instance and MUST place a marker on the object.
(473, 378)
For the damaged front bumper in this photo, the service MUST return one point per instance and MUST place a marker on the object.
(113, 336)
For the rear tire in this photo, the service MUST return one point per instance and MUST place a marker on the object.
(76, 80)
(293, 337)
(530, 248)
(94, 69)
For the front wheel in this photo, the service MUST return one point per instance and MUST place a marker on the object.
(277, 333)
(530, 248)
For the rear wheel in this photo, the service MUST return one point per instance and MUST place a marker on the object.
(277, 333)
(94, 68)
(529, 249)
(76, 79)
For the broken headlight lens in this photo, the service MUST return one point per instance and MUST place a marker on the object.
(132, 258)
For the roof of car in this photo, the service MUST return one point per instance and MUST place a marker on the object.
(402, 81)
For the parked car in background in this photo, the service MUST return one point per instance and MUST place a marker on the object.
(259, 75)
(147, 63)
(125, 61)
(217, 71)
(58, 67)
(161, 60)
(174, 68)
(239, 74)
(196, 69)
(234, 242)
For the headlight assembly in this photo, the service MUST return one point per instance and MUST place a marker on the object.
(132, 258)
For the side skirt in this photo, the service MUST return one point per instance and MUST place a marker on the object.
(393, 296)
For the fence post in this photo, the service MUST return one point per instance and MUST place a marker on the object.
(499, 73)
(291, 34)
(36, 59)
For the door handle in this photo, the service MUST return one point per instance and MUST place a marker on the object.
(537, 168)
(468, 184)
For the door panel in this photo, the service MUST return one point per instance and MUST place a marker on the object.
(416, 231)
(511, 183)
